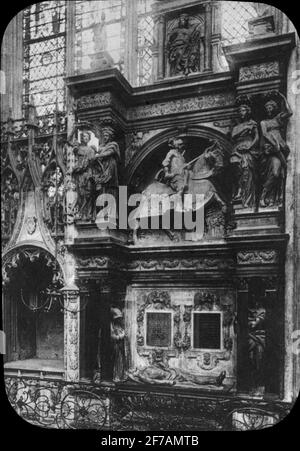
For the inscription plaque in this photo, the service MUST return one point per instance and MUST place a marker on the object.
(207, 330)
(158, 329)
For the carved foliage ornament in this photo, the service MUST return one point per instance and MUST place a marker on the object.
(182, 105)
(257, 257)
(182, 264)
(259, 71)
(13, 260)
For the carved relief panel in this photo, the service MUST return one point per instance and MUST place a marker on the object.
(184, 48)
(183, 337)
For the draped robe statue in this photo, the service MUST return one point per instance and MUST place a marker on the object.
(96, 172)
(245, 140)
(274, 152)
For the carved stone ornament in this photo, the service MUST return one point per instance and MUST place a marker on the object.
(212, 301)
(183, 44)
(9, 201)
(96, 169)
(245, 150)
(257, 257)
(274, 149)
(182, 264)
(182, 105)
(94, 100)
(13, 259)
(178, 177)
(160, 301)
(259, 71)
(31, 223)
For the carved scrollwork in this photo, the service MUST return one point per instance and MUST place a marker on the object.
(212, 301)
(182, 264)
(161, 301)
(257, 257)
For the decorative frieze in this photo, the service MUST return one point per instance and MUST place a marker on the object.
(259, 71)
(92, 101)
(185, 105)
(179, 264)
(264, 257)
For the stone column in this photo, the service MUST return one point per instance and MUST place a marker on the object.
(274, 334)
(72, 342)
(242, 334)
(70, 188)
(216, 37)
(208, 35)
(70, 38)
(130, 57)
(160, 47)
(292, 224)
(72, 313)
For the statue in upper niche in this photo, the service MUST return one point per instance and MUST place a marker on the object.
(274, 150)
(245, 139)
(100, 35)
(183, 47)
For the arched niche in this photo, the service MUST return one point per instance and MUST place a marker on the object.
(34, 336)
(148, 160)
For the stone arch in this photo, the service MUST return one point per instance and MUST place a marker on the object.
(13, 256)
(33, 323)
(151, 146)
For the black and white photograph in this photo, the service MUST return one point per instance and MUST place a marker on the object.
(150, 217)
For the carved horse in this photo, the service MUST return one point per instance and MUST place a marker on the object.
(199, 181)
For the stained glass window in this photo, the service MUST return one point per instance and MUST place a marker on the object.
(235, 17)
(100, 26)
(44, 34)
(145, 42)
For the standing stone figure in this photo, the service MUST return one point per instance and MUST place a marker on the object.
(106, 163)
(257, 345)
(84, 177)
(274, 151)
(108, 157)
(175, 172)
(183, 47)
(245, 140)
(96, 172)
(118, 344)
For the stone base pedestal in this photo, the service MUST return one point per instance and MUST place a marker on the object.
(101, 61)
(91, 231)
(261, 27)
(262, 222)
